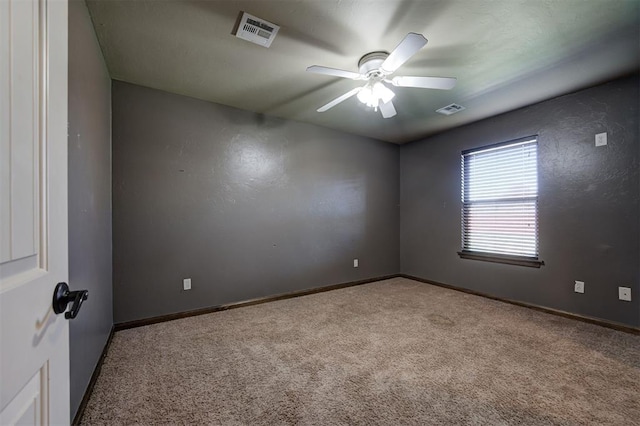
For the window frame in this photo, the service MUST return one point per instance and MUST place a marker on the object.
(511, 259)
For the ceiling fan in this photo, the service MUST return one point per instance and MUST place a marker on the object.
(375, 68)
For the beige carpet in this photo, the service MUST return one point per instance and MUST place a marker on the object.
(392, 352)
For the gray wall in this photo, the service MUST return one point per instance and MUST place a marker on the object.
(90, 263)
(244, 205)
(588, 204)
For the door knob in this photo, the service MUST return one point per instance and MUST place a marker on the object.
(62, 297)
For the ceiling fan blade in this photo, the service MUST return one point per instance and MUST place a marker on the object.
(339, 99)
(334, 72)
(387, 109)
(442, 83)
(408, 47)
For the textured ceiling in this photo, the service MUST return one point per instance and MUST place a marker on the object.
(505, 54)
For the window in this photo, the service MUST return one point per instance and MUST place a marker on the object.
(500, 203)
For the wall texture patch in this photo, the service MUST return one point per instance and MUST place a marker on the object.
(244, 205)
(90, 262)
(589, 204)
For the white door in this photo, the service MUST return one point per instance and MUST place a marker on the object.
(34, 342)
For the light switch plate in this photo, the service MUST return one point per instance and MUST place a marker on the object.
(601, 139)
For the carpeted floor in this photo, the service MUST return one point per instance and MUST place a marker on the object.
(392, 352)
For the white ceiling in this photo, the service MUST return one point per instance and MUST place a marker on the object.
(505, 53)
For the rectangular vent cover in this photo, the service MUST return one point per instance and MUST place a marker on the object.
(256, 30)
(450, 109)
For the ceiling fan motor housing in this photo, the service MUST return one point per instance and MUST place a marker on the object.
(370, 64)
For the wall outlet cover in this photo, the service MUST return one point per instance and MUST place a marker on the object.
(186, 284)
(624, 293)
(578, 287)
(355, 263)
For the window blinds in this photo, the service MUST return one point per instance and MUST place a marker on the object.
(500, 199)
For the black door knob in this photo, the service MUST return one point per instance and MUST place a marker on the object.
(62, 297)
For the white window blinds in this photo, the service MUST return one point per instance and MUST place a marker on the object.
(500, 199)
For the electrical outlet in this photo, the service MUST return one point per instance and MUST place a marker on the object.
(601, 139)
(624, 293)
(355, 263)
(579, 287)
(186, 284)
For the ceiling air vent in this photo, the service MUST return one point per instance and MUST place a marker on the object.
(256, 30)
(450, 109)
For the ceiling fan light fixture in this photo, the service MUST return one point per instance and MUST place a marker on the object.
(382, 92)
(373, 95)
(366, 96)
